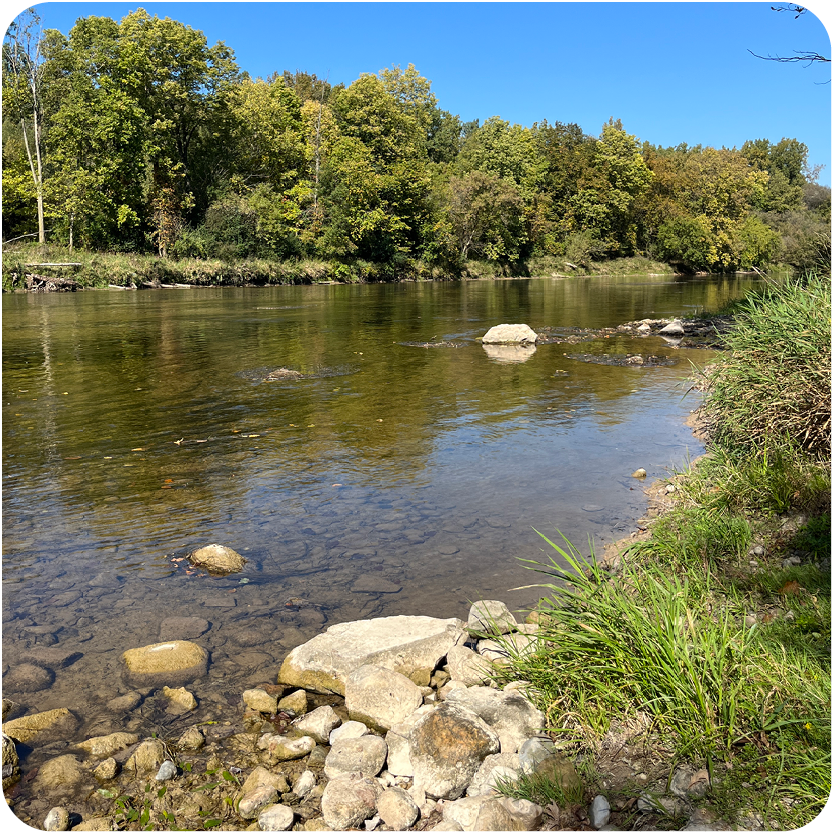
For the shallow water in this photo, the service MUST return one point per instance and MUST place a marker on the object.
(391, 479)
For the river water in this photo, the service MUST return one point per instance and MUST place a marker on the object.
(393, 478)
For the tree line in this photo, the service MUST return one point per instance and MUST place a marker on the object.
(139, 136)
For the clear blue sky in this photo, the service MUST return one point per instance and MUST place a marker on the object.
(673, 72)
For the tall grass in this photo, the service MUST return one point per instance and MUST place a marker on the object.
(772, 386)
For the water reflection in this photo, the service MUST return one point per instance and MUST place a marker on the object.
(136, 425)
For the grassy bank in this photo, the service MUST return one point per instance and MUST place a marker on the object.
(98, 269)
(714, 630)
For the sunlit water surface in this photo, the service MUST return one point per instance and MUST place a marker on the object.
(392, 479)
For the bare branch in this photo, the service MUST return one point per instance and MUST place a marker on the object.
(790, 7)
(799, 57)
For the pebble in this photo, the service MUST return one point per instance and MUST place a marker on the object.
(599, 812)
(640, 473)
(56, 819)
(166, 771)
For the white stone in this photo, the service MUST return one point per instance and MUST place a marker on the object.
(510, 334)
(599, 812)
(397, 809)
(57, 819)
(349, 800)
(318, 724)
(349, 729)
(305, 782)
(276, 817)
(491, 616)
(365, 755)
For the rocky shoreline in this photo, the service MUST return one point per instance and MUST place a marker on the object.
(393, 723)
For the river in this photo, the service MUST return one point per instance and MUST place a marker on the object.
(392, 478)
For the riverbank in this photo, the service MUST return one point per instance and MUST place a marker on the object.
(50, 268)
(703, 642)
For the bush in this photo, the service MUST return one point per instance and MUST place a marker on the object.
(771, 388)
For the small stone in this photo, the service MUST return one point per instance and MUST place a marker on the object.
(380, 697)
(166, 771)
(349, 729)
(675, 328)
(640, 473)
(305, 782)
(757, 551)
(490, 616)
(670, 489)
(372, 824)
(276, 817)
(57, 819)
(318, 724)
(296, 703)
(191, 738)
(174, 662)
(365, 755)
(148, 756)
(125, 703)
(258, 700)
(255, 800)
(599, 812)
(397, 809)
(182, 627)
(106, 770)
(180, 700)
(280, 749)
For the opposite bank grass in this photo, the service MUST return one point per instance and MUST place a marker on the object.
(727, 653)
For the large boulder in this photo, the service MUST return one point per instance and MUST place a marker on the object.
(349, 800)
(380, 697)
(447, 747)
(411, 645)
(59, 776)
(217, 559)
(511, 334)
(510, 715)
(163, 663)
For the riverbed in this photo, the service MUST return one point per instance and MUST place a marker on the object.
(400, 469)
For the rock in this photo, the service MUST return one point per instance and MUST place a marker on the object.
(539, 755)
(447, 825)
(163, 663)
(295, 703)
(27, 678)
(640, 473)
(464, 811)
(53, 722)
(349, 800)
(509, 353)
(397, 809)
(217, 559)
(305, 782)
(399, 744)
(674, 329)
(59, 776)
(258, 700)
(380, 697)
(490, 617)
(318, 724)
(10, 708)
(407, 644)
(278, 748)
(181, 700)
(125, 703)
(599, 812)
(106, 770)
(369, 583)
(447, 747)
(276, 817)
(510, 334)
(316, 824)
(57, 819)
(493, 651)
(509, 714)
(260, 776)
(504, 766)
(182, 627)
(11, 763)
(192, 738)
(148, 757)
(466, 666)
(254, 800)
(348, 729)
(52, 658)
(699, 784)
(644, 329)
(166, 771)
(106, 745)
(509, 814)
(96, 823)
(365, 755)
(372, 823)
(451, 685)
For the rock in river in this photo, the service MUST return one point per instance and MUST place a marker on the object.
(175, 662)
(217, 559)
(510, 334)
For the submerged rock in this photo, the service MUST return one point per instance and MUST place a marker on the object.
(165, 662)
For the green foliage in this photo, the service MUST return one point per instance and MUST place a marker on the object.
(772, 386)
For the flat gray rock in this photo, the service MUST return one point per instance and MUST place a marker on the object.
(411, 645)
(380, 697)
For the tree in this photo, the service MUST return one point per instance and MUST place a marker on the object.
(23, 72)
